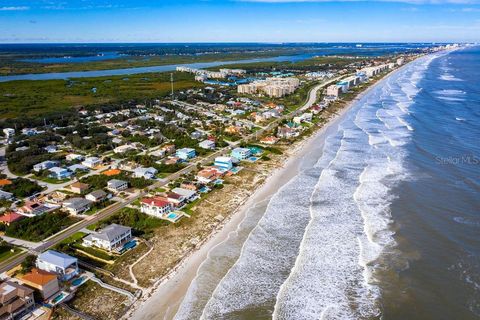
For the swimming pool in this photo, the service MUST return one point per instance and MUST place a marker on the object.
(78, 281)
(59, 298)
(253, 159)
(172, 216)
(130, 245)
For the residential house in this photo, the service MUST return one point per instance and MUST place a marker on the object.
(287, 133)
(241, 153)
(14, 299)
(189, 195)
(177, 200)
(34, 208)
(59, 173)
(45, 165)
(169, 148)
(77, 167)
(77, 205)
(269, 140)
(125, 148)
(224, 163)
(10, 217)
(74, 157)
(51, 148)
(172, 160)
(208, 175)
(63, 265)
(196, 135)
(116, 185)
(155, 206)
(5, 195)
(110, 238)
(43, 281)
(91, 162)
(78, 187)
(185, 153)
(96, 196)
(146, 173)
(207, 144)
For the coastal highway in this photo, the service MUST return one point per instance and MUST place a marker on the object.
(107, 212)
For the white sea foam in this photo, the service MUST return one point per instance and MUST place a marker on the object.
(332, 277)
(314, 251)
(449, 77)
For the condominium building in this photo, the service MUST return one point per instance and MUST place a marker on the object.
(272, 87)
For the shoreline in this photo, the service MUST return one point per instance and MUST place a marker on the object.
(162, 300)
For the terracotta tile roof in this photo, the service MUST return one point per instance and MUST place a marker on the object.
(157, 202)
(39, 277)
(5, 182)
(10, 217)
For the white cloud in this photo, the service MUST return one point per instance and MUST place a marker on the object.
(22, 8)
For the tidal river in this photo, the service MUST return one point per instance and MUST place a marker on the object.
(383, 221)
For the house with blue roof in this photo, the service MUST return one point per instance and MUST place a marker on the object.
(59, 173)
(63, 265)
(186, 153)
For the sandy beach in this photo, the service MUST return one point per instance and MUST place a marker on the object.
(164, 298)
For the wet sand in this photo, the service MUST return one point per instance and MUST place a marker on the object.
(162, 301)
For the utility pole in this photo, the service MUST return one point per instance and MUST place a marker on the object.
(171, 82)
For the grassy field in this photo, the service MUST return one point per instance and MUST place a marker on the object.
(35, 98)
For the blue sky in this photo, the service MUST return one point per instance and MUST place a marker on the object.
(239, 21)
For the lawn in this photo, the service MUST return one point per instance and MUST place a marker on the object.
(6, 252)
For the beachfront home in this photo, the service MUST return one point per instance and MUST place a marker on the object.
(185, 153)
(116, 185)
(224, 163)
(77, 205)
(269, 140)
(96, 196)
(146, 173)
(189, 195)
(45, 165)
(177, 200)
(207, 144)
(43, 281)
(15, 299)
(208, 175)
(63, 265)
(155, 206)
(241, 153)
(91, 162)
(110, 238)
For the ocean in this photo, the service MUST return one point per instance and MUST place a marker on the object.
(382, 222)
